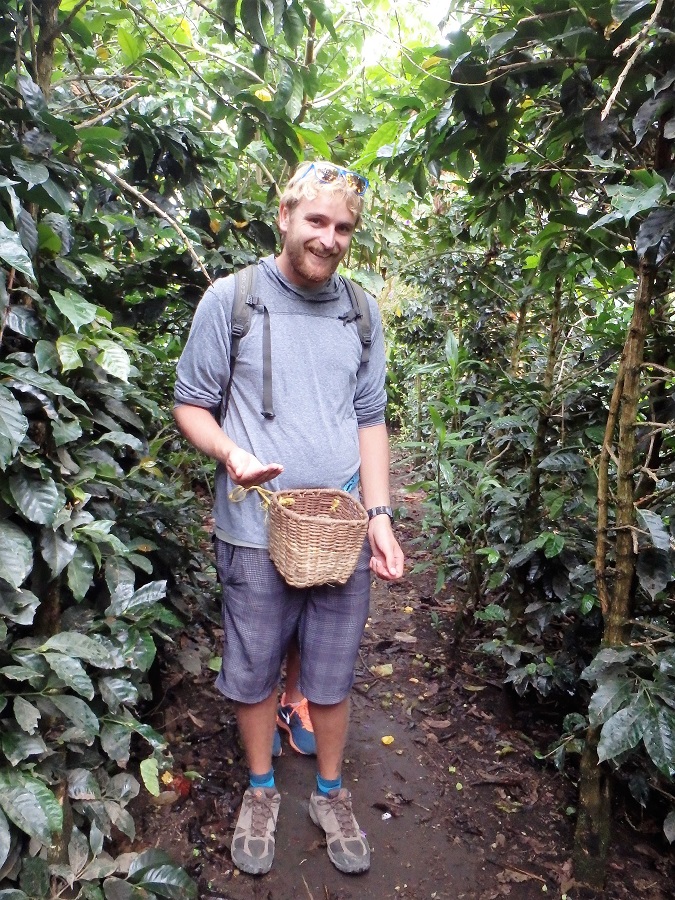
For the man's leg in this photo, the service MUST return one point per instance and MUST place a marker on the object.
(293, 713)
(256, 723)
(330, 634)
(253, 645)
(330, 730)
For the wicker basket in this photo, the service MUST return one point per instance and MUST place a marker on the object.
(316, 535)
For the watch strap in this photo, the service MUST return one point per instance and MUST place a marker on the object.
(381, 511)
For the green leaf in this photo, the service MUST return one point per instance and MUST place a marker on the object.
(32, 173)
(653, 523)
(144, 598)
(5, 841)
(38, 501)
(116, 742)
(322, 14)
(491, 613)
(650, 112)
(30, 805)
(654, 570)
(17, 605)
(78, 712)
(27, 716)
(168, 881)
(32, 95)
(81, 572)
(13, 426)
(669, 827)
(60, 128)
(57, 551)
(385, 135)
(113, 359)
(68, 347)
(293, 26)
(42, 382)
(251, 19)
(131, 45)
(149, 769)
(623, 731)
(72, 643)
(451, 349)
(72, 674)
(17, 746)
(74, 307)
(13, 253)
(659, 738)
(610, 696)
(82, 785)
(623, 9)
(563, 462)
(318, 141)
(117, 692)
(16, 553)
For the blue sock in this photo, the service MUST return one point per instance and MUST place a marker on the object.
(262, 781)
(325, 785)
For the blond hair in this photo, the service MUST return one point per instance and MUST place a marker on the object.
(301, 185)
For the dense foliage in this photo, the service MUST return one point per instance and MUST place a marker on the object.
(521, 220)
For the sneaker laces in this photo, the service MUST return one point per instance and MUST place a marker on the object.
(302, 710)
(342, 807)
(261, 812)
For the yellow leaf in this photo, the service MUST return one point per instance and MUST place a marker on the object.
(383, 670)
(387, 740)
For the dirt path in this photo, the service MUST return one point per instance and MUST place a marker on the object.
(457, 806)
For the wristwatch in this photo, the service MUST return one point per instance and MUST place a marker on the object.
(381, 511)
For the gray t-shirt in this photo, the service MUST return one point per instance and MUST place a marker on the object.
(322, 394)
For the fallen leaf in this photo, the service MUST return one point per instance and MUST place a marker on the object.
(196, 721)
(387, 740)
(382, 671)
(440, 724)
(405, 638)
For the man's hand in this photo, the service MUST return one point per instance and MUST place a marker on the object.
(245, 469)
(387, 559)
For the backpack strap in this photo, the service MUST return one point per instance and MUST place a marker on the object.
(244, 290)
(360, 313)
(242, 308)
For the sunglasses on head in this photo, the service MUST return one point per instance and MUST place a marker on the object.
(329, 173)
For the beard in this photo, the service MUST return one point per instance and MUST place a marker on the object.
(311, 264)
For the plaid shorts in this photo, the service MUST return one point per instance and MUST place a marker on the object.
(261, 613)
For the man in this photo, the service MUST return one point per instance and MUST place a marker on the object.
(326, 424)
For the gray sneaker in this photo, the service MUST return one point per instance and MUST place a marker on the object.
(348, 848)
(252, 847)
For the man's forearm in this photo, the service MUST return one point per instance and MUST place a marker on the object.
(374, 472)
(203, 432)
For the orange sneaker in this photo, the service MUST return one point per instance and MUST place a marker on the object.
(294, 719)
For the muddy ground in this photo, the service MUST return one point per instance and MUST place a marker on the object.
(456, 806)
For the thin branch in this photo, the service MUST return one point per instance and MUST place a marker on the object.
(130, 189)
(629, 65)
(106, 113)
(182, 57)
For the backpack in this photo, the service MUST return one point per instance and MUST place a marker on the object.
(242, 309)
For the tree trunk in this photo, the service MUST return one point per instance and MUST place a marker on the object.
(49, 31)
(591, 838)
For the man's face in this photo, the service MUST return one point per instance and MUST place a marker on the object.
(317, 234)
